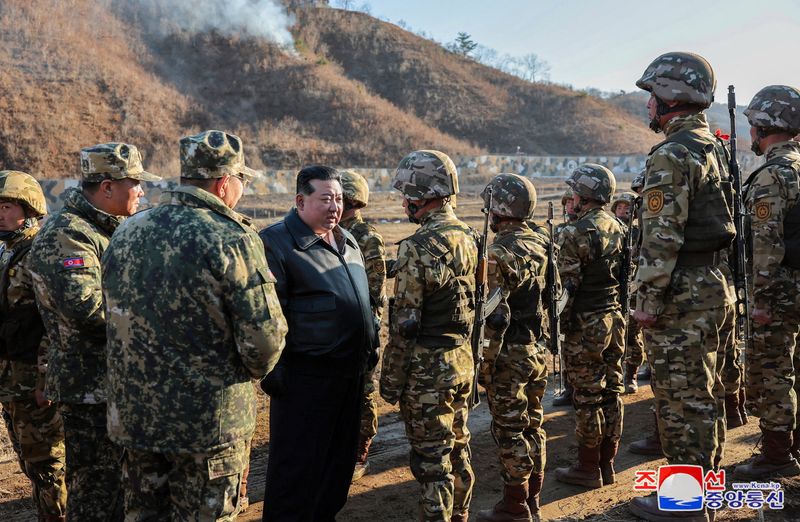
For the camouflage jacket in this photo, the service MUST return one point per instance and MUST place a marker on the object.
(768, 197)
(65, 267)
(589, 257)
(18, 379)
(429, 286)
(372, 248)
(518, 266)
(192, 317)
(673, 177)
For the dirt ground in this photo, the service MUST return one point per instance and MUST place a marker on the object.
(389, 492)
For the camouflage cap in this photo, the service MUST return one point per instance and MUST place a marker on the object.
(637, 183)
(513, 196)
(354, 188)
(426, 174)
(593, 181)
(775, 107)
(113, 161)
(22, 187)
(566, 196)
(213, 154)
(625, 197)
(681, 77)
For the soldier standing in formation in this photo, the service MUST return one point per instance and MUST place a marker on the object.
(67, 281)
(192, 318)
(589, 260)
(356, 196)
(568, 209)
(428, 365)
(622, 206)
(514, 369)
(772, 199)
(35, 426)
(684, 300)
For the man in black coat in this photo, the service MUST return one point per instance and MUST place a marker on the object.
(316, 388)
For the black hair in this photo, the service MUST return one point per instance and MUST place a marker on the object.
(90, 187)
(206, 184)
(312, 172)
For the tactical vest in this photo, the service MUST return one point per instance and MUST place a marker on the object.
(21, 327)
(527, 311)
(447, 314)
(791, 221)
(709, 226)
(599, 289)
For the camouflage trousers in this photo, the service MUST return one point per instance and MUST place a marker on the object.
(201, 487)
(635, 349)
(436, 427)
(515, 401)
(94, 465)
(369, 407)
(772, 363)
(593, 353)
(686, 351)
(37, 434)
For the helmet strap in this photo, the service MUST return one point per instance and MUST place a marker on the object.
(662, 109)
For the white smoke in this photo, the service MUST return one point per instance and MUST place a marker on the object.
(266, 19)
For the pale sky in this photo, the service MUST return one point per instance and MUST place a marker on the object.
(608, 43)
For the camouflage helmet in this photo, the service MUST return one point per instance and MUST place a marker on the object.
(354, 188)
(625, 197)
(513, 196)
(593, 181)
(775, 107)
(566, 196)
(213, 154)
(113, 161)
(426, 174)
(23, 188)
(637, 183)
(680, 77)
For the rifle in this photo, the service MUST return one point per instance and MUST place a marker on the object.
(740, 278)
(552, 300)
(625, 275)
(481, 276)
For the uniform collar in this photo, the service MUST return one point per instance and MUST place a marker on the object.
(76, 201)
(443, 213)
(190, 196)
(352, 220)
(782, 148)
(688, 122)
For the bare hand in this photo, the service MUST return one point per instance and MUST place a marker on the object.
(41, 400)
(644, 319)
(761, 316)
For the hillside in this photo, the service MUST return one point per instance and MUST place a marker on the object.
(358, 91)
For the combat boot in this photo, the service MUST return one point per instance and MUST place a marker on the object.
(534, 489)
(733, 414)
(608, 450)
(52, 518)
(650, 445)
(512, 507)
(586, 472)
(796, 444)
(565, 398)
(775, 461)
(460, 517)
(631, 386)
(647, 508)
(362, 463)
(644, 372)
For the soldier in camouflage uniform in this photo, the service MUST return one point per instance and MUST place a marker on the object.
(184, 348)
(35, 428)
(356, 196)
(589, 260)
(427, 365)
(684, 301)
(772, 198)
(514, 369)
(568, 211)
(67, 281)
(622, 206)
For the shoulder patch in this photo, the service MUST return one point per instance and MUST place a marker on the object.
(763, 210)
(73, 262)
(655, 201)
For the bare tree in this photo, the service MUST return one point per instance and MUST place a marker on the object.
(532, 68)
